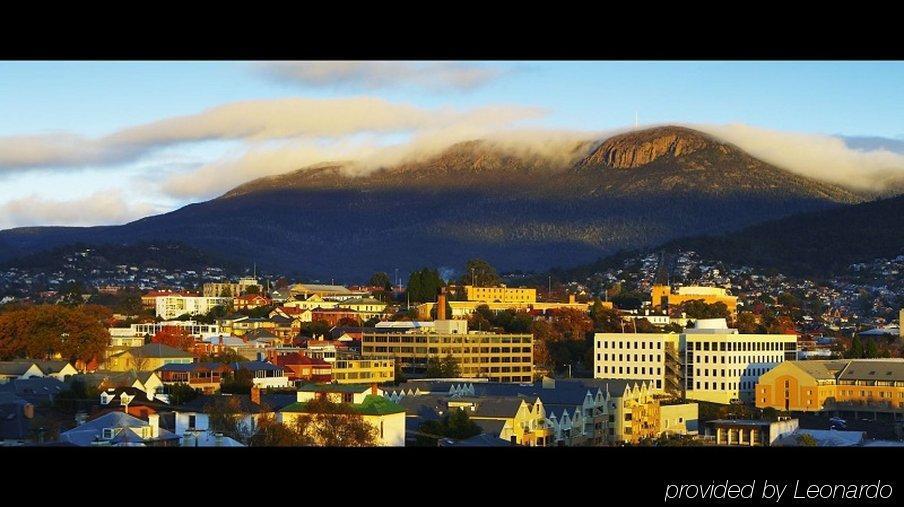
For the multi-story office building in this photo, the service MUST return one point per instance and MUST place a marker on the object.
(228, 289)
(722, 365)
(363, 370)
(170, 307)
(500, 294)
(662, 297)
(650, 357)
(497, 357)
(709, 362)
(133, 336)
(842, 386)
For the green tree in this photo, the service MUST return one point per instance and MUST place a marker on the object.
(856, 350)
(380, 279)
(480, 273)
(445, 367)
(424, 285)
(871, 351)
(455, 424)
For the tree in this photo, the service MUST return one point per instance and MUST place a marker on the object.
(480, 273)
(329, 424)
(224, 416)
(239, 382)
(455, 424)
(446, 367)
(424, 285)
(380, 279)
(871, 350)
(43, 331)
(271, 433)
(746, 323)
(174, 336)
(180, 393)
(699, 309)
(856, 350)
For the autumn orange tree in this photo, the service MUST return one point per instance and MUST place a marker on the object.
(45, 331)
(174, 336)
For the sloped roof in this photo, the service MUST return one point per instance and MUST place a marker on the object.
(158, 350)
(87, 433)
(34, 389)
(371, 405)
(874, 369)
(18, 367)
(821, 370)
(49, 367)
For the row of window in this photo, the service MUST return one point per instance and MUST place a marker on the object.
(749, 372)
(720, 386)
(709, 358)
(626, 370)
(740, 346)
(627, 357)
(447, 350)
(620, 344)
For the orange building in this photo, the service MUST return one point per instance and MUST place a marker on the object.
(873, 386)
(662, 297)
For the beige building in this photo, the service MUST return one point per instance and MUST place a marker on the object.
(497, 357)
(363, 371)
(228, 289)
(147, 358)
(501, 294)
(170, 307)
(709, 362)
(649, 357)
(367, 308)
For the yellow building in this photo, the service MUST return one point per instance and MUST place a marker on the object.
(709, 362)
(462, 309)
(849, 385)
(497, 357)
(662, 297)
(146, 358)
(501, 294)
(363, 371)
(228, 289)
(311, 303)
(648, 357)
(367, 308)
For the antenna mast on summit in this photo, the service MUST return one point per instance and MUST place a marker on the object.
(636, 120)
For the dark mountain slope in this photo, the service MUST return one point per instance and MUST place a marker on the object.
(819, 243)
(476, 199)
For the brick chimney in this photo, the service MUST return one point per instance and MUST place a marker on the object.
(256, 395)
(373, 389)
(441, 305)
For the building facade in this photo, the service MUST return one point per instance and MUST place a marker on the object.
(849, 386)
(498, 357)
(170, 307)
(709, 362)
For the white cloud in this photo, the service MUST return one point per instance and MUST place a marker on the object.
(104, 207)
(371, 75)
(821, 157)
(255, 120)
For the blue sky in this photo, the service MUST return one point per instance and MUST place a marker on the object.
(85, 101)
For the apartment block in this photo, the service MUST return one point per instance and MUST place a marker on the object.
(497, 357)
(709, 362)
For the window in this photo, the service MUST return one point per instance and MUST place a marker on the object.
(109, 433)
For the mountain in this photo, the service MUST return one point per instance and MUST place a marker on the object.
(166, 256)
(811, 244)
(517, 208)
